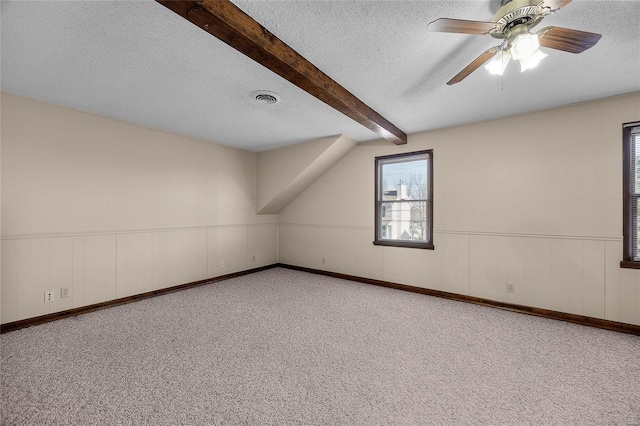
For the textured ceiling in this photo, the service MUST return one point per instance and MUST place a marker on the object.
(139, 62)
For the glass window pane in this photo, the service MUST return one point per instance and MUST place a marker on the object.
(636, 228)
(404, 221)
(631, 206)
(635, 144)
(404, 180)
(404, 204)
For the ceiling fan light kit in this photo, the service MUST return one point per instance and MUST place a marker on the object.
(512, 23)
(524, 48)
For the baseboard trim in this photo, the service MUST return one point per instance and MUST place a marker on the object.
(16, 325)
(540, 312)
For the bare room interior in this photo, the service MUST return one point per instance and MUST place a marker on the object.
(202, 212)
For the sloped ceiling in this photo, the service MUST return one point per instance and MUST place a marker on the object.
(137, 61)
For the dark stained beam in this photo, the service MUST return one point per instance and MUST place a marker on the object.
(227, 22)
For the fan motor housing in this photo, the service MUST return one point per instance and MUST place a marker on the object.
(515, 13)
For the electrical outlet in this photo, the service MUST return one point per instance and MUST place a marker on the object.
(64, 292)
(254, 259)
(48, 296)
(222, 263)
(324, 260)
(511, 288)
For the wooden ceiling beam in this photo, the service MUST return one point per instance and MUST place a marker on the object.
(227, 22)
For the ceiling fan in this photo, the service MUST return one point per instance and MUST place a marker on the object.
(512, 23)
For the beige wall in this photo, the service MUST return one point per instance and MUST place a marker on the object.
(534, 200)
(111, 209)
(284, 173)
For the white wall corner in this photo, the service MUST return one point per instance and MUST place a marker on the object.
(284, 173)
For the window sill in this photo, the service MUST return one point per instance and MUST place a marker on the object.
(631, 264)
(405, 244)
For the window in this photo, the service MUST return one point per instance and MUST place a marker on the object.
(404, 200)
(631, 199)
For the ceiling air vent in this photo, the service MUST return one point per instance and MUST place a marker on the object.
(266, 97)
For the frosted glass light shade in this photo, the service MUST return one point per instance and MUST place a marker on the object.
(524, 45)
(499, 62)
(532, 60)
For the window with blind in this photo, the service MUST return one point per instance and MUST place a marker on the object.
(631, 186)
(404, 200)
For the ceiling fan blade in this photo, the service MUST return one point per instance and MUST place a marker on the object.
(573, 41)
(477, 63)
(448, 25)
(555, 4)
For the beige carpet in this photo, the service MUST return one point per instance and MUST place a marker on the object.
(282, 347)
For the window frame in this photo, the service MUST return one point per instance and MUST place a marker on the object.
(628, 196)
(428, 245)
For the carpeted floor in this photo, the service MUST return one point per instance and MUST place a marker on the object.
(282, 347)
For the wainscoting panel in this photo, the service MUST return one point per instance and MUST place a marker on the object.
(214, 252)
(189, 255)
(452, 253)
(111, 291)
(121, 265)
(577, 275)
(159, 260)
(593, 279)
(148, 261)
(105, 266)
(9, 281)
(629, 296)
(401, 266)
(194, 254)
(516, 271)
(537, 290)
(201, 255)
(261, 250)
(33, 276)
(77, 286)
(174, 258)
(488, 267)
(61, 272)
(95, 269)
(561, 275)
(135, 264)
(613, 254)
(235, 246)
